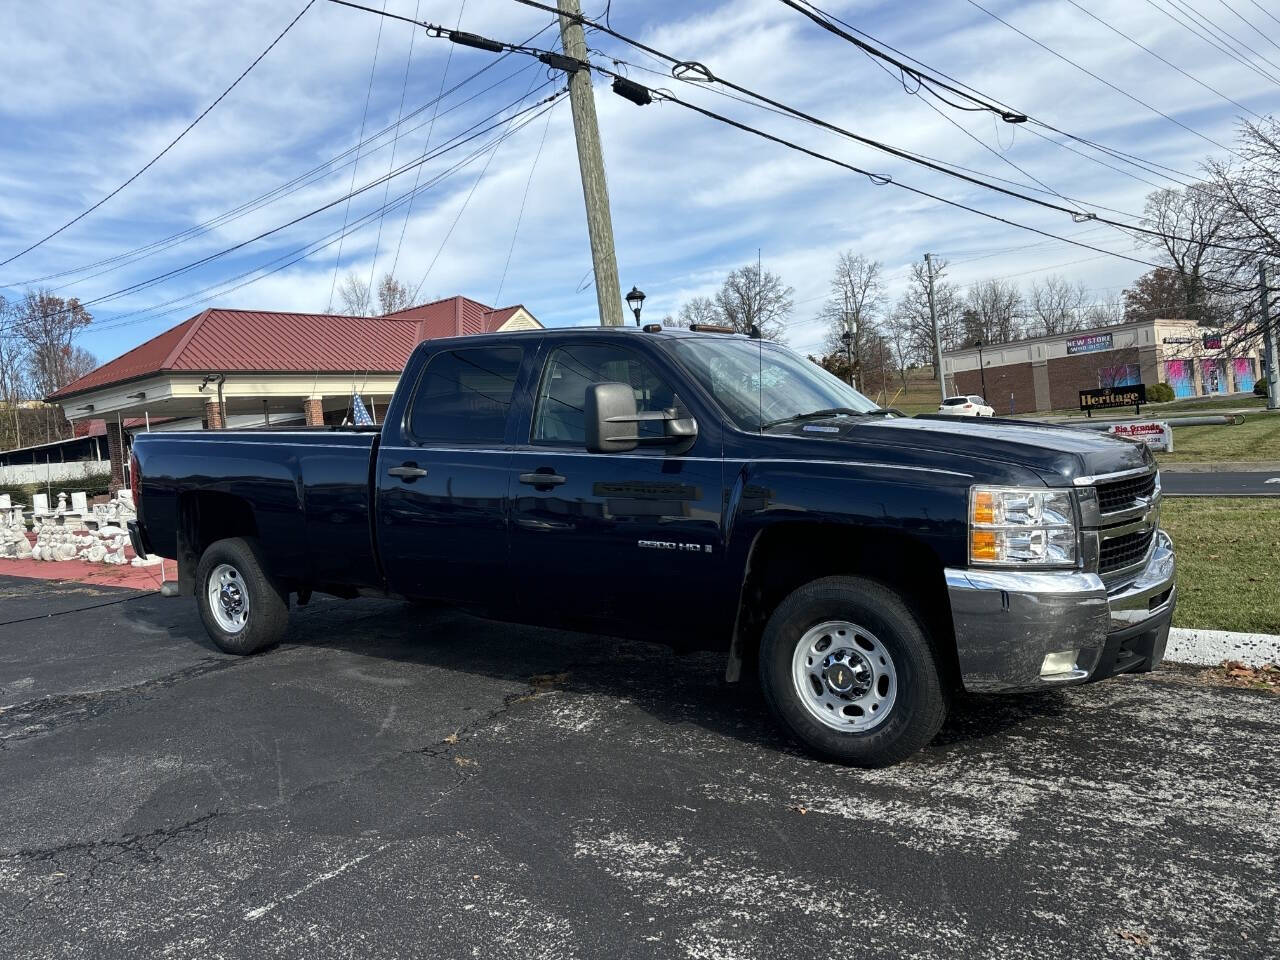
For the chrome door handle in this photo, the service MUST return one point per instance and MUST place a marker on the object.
(407, 470)
(542, 479)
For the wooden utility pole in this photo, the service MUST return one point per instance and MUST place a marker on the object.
(933, 318)
(595, 191)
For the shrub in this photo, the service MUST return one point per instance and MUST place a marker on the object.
(1260, 387)
(1159, 393)
(94, 485)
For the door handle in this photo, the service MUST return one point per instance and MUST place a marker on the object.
(408, 471)
(538, 479)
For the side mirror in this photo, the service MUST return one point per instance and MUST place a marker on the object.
(610, 413)
(611, 419)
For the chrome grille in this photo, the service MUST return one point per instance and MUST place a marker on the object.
(1116, 553)
(1125, 494)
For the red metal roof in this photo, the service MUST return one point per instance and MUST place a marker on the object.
(263, 341)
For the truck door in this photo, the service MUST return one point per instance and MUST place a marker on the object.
(625, 542)
(442, 476)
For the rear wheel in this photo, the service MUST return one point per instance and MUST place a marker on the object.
(242, 609)
(847, 668)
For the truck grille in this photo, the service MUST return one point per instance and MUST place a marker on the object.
(1124, 551)
(1123, 494)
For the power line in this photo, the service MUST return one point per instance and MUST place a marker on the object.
(80, 216)
(337, 261)
(458, 141)
(1195, 31)
(1140, 46)
(1107, 83)
(289, 187)
(828, 20)
(497, 297)
(306, 250)
(1248, 23)
(1228, 37)
(1265, 10)
(444, 75)
(683, 68)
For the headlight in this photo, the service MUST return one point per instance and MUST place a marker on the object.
(1021, 525)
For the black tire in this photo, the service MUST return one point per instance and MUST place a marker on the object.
(267, 613)
(920, 703)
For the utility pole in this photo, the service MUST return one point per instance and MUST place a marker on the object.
(595, 191)
(1270, 341)
(933, 318)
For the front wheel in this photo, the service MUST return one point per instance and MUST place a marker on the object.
(847, 668)
(242, 610)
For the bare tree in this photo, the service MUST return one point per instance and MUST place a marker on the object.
(1106, 313)
(697, 310)
(48, 325)
(1055, 305)
(854, 308)
(355, 295)
(393, 295)
(13, 379)
(752, 297)
(911, 313)
(994, 312)
(1191, 223)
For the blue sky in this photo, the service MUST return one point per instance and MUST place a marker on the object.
(95, 90)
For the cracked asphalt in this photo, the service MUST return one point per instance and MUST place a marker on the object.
(399, 782)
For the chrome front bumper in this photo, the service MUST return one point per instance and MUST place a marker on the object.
(1007, 621)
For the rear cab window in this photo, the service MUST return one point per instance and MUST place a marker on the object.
(464, 395)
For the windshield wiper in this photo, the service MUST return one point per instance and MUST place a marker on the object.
(828, 412)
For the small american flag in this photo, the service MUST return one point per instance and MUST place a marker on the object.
(358, 412)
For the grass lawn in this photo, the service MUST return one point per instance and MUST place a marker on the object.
(1228, 571)
(1258, 438)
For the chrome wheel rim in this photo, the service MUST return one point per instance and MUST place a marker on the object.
(844, 676)
(228, 598)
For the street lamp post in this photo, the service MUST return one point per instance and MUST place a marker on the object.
(982, 371)
(635, 300)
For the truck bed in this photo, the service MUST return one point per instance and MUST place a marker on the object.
(309, 490)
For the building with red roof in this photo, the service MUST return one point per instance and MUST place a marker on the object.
(255, 367)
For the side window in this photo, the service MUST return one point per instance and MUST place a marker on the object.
(464, 395)
(570, 370)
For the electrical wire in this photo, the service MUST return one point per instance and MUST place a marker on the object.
(1227, 37)
(1195, 31)
(1140, 46)
(1248, 23)
(404, 168)
(310, 177)
(497, 297)
(337, 261)
(145, 167)
(1107, 83)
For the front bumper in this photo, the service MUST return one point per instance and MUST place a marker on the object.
(1007, 621)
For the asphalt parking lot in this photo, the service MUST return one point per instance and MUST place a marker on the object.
(395, 782)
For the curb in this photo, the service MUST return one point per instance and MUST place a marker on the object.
(1208, 648)
(1221, 466)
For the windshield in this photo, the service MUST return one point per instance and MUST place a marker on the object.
(762, 383)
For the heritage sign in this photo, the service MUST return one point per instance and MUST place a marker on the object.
(1132, 395)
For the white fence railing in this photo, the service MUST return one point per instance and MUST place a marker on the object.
(25, 474)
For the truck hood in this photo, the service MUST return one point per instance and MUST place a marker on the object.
(1057, 454)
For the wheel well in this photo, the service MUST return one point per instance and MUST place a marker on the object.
(788, 556)
(207, 516)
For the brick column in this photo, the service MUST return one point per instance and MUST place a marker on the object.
(313, 407)
(213, 414)
(116, 454)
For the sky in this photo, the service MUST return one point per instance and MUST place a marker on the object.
(94, 91)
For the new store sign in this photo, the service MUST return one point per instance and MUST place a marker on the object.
(1157, 435)
(1091, 343)
(1128, 396)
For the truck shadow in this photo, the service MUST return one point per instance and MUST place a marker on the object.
(674, 688)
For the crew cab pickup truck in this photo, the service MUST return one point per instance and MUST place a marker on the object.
(702, 490)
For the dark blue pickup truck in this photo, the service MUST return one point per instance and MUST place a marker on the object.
(703, 490)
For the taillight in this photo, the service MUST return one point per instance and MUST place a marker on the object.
(968, 406)
(135, 480)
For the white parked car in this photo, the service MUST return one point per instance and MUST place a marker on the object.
(970, 406)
